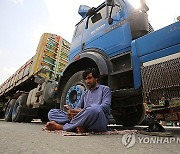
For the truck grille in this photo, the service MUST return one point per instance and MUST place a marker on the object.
(161, 81)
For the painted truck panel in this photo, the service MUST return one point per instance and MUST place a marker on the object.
(50, 59)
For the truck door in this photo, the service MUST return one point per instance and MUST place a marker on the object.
(111, 38)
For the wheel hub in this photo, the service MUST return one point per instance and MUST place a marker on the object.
(74, 94)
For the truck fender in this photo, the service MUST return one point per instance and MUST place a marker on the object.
(81, 62)
(99, 59)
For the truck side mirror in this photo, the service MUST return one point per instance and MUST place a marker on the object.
(108, 15)
(109, 2)
(83, 10)
(91, 11)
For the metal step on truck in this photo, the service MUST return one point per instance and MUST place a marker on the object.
(29, 92)
(140, 65)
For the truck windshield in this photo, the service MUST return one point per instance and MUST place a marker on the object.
(79, 28)
(101, 14)
(98, 16)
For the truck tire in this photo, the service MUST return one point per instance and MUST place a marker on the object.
(44, 118)
(28, 119)
(8, 110)
(1, 115)
(28, 102)
(131, 119)
(73, 90)
(1, 110)
(43, 115)
(49, 92)
(17, 110)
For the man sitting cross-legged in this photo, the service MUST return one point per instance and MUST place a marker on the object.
(91, 112)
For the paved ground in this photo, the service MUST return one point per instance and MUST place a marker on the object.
(28, 138)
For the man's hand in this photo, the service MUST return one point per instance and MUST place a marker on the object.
(73, 112)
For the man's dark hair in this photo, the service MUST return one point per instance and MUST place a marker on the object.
(94, 71)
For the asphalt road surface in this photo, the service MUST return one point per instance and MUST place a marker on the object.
(28, 138)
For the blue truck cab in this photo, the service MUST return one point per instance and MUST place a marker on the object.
(118, 40)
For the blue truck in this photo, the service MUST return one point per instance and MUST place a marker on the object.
(141, 66)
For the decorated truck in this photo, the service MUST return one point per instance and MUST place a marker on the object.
(27, 94)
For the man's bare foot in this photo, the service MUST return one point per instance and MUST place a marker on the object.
(81, 130)
(52, 125)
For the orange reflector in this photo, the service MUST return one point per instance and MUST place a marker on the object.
(77, 57)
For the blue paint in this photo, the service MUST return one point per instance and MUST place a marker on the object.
(161, 39)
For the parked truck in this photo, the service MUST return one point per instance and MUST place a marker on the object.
(27, 94)
(140, 65)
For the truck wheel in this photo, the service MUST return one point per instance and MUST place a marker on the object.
(1, 110)
(73, 90)
(8, 110)
(1, 114)
(28, 119)
(43, 115)
(17, 110)
(133, 118)
(44, 118)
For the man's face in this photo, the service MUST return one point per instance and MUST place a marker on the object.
(91, 82)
